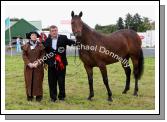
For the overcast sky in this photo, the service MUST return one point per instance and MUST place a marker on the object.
(92, 14)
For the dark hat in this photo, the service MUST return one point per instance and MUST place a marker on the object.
(28, 35)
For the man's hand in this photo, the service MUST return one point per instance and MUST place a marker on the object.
(76, 43)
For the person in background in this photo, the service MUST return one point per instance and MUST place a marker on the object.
(33, 69)
(42, 37)
(18, 45)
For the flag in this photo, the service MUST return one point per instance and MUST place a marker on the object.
(7, 22)
(7, 25)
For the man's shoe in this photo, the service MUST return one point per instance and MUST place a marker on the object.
(53, 100)
(61, 99)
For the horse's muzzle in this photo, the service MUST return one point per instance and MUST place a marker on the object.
(77, 34)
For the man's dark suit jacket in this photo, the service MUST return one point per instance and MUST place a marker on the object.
(62, 42)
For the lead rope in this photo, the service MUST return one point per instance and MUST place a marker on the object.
(76, 72)
(75, 64)
(76, 58)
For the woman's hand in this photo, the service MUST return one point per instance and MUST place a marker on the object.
(31, 65)
(35, 64)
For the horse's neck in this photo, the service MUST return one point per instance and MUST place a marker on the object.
(86, 34)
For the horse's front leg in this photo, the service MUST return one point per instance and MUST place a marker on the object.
(89, 71)
(103, 70)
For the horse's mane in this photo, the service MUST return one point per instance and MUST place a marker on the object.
(89, 29)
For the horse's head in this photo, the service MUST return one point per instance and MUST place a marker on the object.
(76, 24)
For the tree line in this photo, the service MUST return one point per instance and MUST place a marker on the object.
(136, 23)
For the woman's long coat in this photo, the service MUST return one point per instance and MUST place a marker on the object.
(34, 76)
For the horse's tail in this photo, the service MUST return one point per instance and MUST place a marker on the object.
(140, 66)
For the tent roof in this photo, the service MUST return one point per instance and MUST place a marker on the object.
(20, 28)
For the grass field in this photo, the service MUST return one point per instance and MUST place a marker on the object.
(77, 89)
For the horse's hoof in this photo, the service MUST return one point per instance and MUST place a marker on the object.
(124, 92)
(135, 94)
(89, 98)
(110, 99)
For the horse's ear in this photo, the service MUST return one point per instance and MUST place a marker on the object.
(72, 13)
(80, 14)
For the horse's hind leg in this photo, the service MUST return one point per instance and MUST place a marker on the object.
(105, 80)
(135, 71)
(89, 71)
(127, 70)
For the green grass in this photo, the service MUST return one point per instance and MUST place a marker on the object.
(77, 89)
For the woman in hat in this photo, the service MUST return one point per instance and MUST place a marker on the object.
(33, 51)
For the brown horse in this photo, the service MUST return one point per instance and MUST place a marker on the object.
(101, 50)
